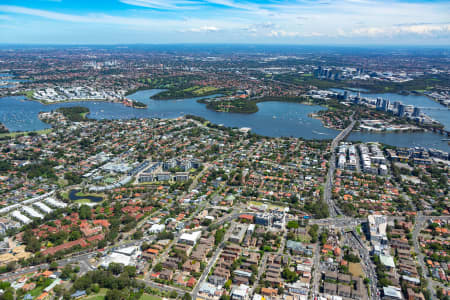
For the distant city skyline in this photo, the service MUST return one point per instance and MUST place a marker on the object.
(331, 22)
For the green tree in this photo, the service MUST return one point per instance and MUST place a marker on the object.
(85, 212)
(173, 294)
(187, 296)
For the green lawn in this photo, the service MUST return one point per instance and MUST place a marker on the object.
(40, 288)
(204, 90)
(14, 134)
(99, 296)
(29, 94)
(149, 297)
(358, 229)
(95, 297)
(83, 201)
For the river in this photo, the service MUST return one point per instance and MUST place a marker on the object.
(273, 118)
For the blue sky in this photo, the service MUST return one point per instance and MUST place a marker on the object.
(225, 21)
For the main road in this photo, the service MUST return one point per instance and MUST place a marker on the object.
(333, 208)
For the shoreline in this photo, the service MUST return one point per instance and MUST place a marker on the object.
(402, 93)
(44, 102)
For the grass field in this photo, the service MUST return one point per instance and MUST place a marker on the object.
(95, 297)
(29, 94)
(192, 88)
(99, 296)
(355, 269)
(14, 134)
(149, 297)
(304, 238)
(205, 90)
(83, 201)
(268, 204)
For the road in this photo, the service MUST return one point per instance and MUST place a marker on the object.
(261, 270)
(327, 193)
(212, 262)
(355, 242)
(317, 273)
(82, 259)
(418, 226)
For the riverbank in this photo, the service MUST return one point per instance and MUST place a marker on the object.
(126, 102)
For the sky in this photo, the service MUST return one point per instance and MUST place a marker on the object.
(309, 22)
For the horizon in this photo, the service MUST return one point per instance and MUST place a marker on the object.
(337, 45)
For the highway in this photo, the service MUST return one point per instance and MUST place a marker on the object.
(355, 242)
(82, 259)
(327, 193)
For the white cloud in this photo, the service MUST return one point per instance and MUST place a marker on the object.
(202, 29)
(161, 4)
(5, 17)
(251, 20)
(419, 30)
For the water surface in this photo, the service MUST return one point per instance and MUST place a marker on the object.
(273, 118)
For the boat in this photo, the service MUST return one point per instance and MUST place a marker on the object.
(317, 132)
(274, 117)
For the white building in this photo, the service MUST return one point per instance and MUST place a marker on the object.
(19, 216)
(32, 212)
(43, 207)
(157, 228)
(125, 256)
(377, 229)
(55, 203)
(240, 292)
(190, 238)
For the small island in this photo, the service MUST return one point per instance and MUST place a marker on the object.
(138, 104)
(246, 106)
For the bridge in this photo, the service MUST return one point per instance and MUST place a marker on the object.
(434, 108)
(440, 131)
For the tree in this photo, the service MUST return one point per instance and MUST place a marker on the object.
(53, 265)
(173, 294)
(115, 268)
(289, 276)
(187, 296)
(137, 235)
(227, 284)
(292, 225)
(59, 290)
(158, 268)
(218, 236)
(95, 287)
(66, 271)
(113, 295)
(85, 212)
(130, 271)
(8, 295)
